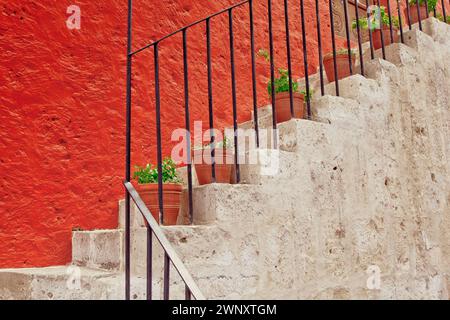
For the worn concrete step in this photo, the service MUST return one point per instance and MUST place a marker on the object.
(98, 249)
(104, 250)
(436, 29)
(358, 88)
(79, 283)
(63, 282)
(396, 53)
(220, 261)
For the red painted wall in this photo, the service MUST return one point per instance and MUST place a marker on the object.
(62, 103)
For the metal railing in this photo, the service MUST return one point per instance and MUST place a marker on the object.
(170, 256)
(248, 5)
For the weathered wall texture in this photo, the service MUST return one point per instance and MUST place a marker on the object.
(62, 102)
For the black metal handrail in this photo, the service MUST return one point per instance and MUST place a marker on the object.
(170, 256)
(249, 4)
(188, 26)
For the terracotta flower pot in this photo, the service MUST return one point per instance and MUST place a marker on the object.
(283, 106)
(376, 37)
(171, 200)
(223, 159)
(343, 70)
(413, 13)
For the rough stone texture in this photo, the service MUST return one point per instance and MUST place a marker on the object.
(62, 97)
(370, 188)
(364, 186)
(51, 283)
(100, 249)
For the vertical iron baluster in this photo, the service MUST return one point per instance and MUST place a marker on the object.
(272, 74)
(149, 262)
(381, 32)
(187, 293)
(288, 53)
(347, 34)
(255, 97)
(210, 102)
(400, 21)
(418, 15)
(319, 46)
(305, 60)
(128, 154)
(443, 11)
(390, 20)
(426, 8)
(233, 92)
(372, 55)
(358, 31)
(158, 136)
(166, 276)
(187, 125)
(408, 12)
(333, 42)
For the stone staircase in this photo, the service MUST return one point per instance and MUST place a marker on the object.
(360, 191)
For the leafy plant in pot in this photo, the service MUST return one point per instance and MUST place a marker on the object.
(282, 94)
(422, 8)
(342, 65)
(223, 160)
(147, 187)
(378, 28)
(440, 17)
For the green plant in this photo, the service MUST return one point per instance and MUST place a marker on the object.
(364, 24)
(431, 3)
(226, 143)
(341, 51)
(440, 17)
(282, 82)
(149, 174)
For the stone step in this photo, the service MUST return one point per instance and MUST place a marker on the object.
(358, 88)
(98, 249)
(436, 29)
(396, 53)
(58, 283)
(79, 283)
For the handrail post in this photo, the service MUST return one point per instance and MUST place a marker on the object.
(158, 135)
(272, 74)
(128, 154)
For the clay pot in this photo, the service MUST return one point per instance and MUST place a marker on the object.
(171, 200)
(283, 106)
(343, 70)
(223, 159)
(376, 37)
(413, 13)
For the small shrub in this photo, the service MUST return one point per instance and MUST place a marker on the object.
(149, 174)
